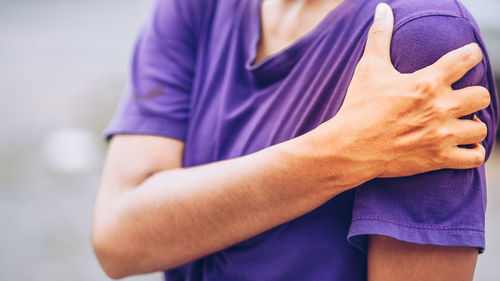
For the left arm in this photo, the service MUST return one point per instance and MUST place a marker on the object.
(394, 260)
(432, 227)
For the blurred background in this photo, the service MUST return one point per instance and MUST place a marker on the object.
(63, 65)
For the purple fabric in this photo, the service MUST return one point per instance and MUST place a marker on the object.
(193, 79)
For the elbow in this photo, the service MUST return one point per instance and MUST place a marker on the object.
(122, 249)
(118, 261)
(120, 257)
(113, 250)
(112, 259)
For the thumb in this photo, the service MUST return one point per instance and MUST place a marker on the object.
(380, 34)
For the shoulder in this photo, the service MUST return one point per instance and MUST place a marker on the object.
(427, 21)
(443, 24)
(183, 20)
(409, 10)
(186, 11)
(199, 15)
(440, 17)
(443, 20)
(425, 30)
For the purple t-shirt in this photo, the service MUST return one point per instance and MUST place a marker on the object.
(193, 79)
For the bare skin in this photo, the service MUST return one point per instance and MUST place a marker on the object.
(152, 215)
(393, 260)
(283, 22)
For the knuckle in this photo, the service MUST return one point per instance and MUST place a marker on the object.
(482, 156)
(484, 96)
(426, 87)
(440, 111)
(466, 56)
(470, 54)
(430, 141)
(435, 112)
(439, 137)
(483, 131)
(376, 30)
(454, 107)
(478, 159)
(441, 158)
(444, 134)
(435, 139)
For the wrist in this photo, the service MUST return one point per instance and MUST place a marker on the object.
(333, 154)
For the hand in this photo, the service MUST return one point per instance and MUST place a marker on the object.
(404, 124)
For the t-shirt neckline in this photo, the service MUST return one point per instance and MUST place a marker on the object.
(278, 65)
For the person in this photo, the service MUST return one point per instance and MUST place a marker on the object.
(292, 140)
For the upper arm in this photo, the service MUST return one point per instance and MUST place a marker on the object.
(426, 226)
(157, 99)
(133, 158)
(153, 116)
(130, 160)
(148, 130)
(393, 260)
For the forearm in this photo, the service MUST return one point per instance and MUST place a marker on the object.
(178, 215)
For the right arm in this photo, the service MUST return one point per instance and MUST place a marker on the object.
(151, 214)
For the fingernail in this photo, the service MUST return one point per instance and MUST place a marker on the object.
(473, 45)
(381, 11)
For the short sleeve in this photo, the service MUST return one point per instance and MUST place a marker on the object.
(445, 207)
(156, 101)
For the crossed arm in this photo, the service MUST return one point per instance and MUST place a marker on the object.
(205, 209)
(152, 215)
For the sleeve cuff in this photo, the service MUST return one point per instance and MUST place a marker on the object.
(463, 236)
(141, 125)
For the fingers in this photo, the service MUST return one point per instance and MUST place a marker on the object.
(469, 131)
(380, 34)
(466, 158)
(468, 100)
(455, 64)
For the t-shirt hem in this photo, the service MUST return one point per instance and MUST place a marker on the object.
(140, 125)
(465, 236)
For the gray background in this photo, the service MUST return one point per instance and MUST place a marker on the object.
(63, 65)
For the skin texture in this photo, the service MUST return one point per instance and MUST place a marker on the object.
(283, 22)
(151, 214)
(393, 260)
